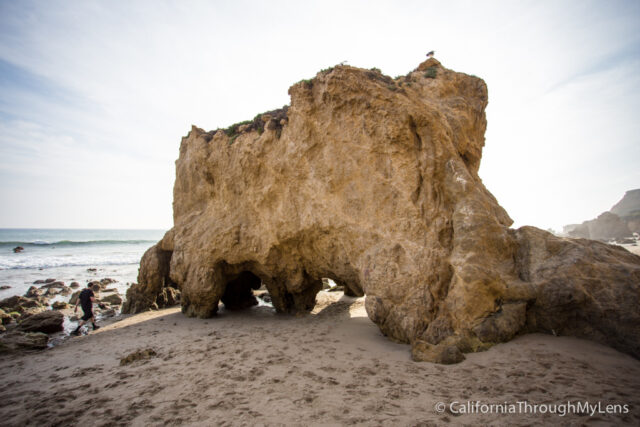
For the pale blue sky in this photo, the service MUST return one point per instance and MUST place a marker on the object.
(95, 95)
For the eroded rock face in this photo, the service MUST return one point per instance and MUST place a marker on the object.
(581, 287)
(628, 209)
(154, 285)
(373, 182)
(629, 205)
(605, 227)
(617, 224)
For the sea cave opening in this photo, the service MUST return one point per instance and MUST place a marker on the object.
(246, 285)
(238, 293)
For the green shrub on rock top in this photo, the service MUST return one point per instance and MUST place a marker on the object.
(431, 72)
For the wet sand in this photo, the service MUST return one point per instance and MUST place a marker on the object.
(330, 367)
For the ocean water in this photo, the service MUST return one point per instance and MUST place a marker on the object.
(68, 255)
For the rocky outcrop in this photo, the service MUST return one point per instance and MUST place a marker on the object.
(23, 341)
(154, 289)
(24, 305)
(47, 322)
(581, 287)
(373, 183)
(629, 204)
(629, 209)
(112, 299)
(5, 318)
(605, 227)
(617, 224)
(59, 305)
(33, 292)
(73, 300)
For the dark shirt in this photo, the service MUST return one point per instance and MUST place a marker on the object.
(85, 299)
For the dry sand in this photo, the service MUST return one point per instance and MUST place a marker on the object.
(634, 249)
(331, 367)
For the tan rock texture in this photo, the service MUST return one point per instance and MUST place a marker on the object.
(373, 182)
(154, 285)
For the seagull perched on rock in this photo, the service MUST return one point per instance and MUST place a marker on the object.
(430, 54)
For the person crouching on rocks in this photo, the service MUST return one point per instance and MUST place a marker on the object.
(86, 300)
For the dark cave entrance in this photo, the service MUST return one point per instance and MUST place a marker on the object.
(247, 285)
(238, 293)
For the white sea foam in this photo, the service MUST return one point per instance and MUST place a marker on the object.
(68, 254)
(35, 261)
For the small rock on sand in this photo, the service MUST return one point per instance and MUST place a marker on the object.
(74, 297)
(5, 318)
(113, 299)
(109, 312)
(59, 305)
(141, 354)
(54, 284)
(33, 292)
(52, 291)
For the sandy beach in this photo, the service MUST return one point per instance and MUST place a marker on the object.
(319, 213)
(330, 367)
(634, 249)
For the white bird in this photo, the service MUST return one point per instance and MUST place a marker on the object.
(430, 54)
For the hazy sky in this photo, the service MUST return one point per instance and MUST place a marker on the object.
(95, 95)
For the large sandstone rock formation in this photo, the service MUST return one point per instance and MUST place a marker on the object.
(373, 182)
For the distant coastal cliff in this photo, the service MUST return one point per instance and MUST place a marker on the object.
(373, 182)
(618, 224)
